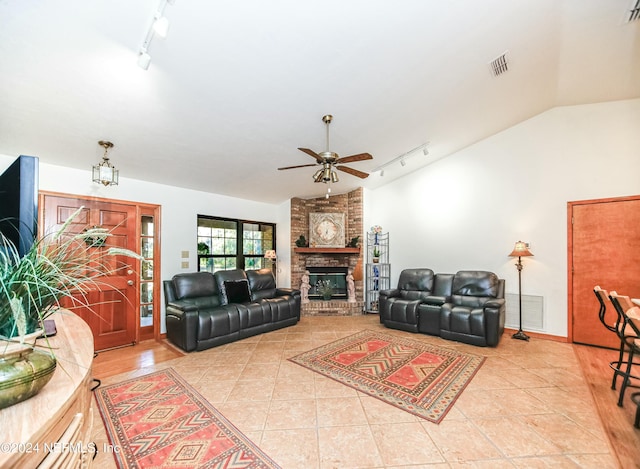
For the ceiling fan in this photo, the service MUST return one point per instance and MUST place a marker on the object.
(330, 161)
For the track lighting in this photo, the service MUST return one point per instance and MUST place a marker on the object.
(403, 158)
(159, 26)
(144, 59)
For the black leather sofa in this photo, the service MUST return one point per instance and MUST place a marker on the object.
(467, 306)
(204, 310)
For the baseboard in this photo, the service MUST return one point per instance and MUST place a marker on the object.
(537, 335)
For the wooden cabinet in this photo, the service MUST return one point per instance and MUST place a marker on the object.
(53, 428)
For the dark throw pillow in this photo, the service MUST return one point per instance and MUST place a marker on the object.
(238, 291)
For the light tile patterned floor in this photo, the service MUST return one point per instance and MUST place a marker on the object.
(527, 407)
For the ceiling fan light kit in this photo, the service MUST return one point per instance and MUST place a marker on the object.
(331, 161)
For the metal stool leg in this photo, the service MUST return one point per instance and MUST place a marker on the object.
(635, 397)
(626, 378)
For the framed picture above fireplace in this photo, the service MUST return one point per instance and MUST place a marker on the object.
(326, 230)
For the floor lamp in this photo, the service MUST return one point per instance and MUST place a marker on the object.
(520, 250)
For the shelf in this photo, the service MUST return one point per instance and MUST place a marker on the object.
(327, 250)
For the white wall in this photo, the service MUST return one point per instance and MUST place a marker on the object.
(466, 211)
(462, 212)
(179, 211)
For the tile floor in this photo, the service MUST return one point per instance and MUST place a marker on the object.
(527, 407)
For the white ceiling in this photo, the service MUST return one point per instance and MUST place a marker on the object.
(238, 85)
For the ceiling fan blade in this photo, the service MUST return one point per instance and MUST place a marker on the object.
(353, 172)
(352, 158)
(312, 153)
(298, 166)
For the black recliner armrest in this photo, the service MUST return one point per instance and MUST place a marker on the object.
(390, 293)
(495, 303)
(436, 300)
(193, 304)
(182, 327)
(287, 291)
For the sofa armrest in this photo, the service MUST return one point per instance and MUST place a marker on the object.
(495, 314)
(287, 291)
(436, 300)
(495, 303)
(390, 293)
(182, 327)
(193, 304)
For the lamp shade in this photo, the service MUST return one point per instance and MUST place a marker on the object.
(270, 254)
(520, 250)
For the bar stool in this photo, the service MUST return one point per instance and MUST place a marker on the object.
(630, 334)
(616, 328)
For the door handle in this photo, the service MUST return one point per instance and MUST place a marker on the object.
(130, 282)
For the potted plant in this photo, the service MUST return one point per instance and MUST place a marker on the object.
(325, 289)
(376, 254)
(301, 242)
(31, 288)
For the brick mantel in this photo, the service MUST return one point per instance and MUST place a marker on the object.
(351, 205)
(327, 250)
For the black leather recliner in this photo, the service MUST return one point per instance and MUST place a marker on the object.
(475, 313)
(468, 307)
(204, 310)
(398, 307)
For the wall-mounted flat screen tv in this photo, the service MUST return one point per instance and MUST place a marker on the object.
(19, 203)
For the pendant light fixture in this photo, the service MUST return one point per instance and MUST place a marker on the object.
(105, 173)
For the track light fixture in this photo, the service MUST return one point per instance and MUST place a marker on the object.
(403, 158)
(159, 26)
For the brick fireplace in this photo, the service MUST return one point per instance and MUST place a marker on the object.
(351, 205)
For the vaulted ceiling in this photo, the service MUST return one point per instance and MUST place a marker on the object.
(238, 85)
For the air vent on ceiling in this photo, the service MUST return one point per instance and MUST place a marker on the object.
(500, 64)
(634, 13)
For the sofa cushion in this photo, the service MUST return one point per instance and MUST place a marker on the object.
(415, 284)
(475, 283)
(262, 284)
(237, 291)
(194, 285)
(222, 276)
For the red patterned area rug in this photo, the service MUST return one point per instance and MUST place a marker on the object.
(160, 421)
(422, 379)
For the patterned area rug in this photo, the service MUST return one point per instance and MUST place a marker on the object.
(419, 378)
(160, 421)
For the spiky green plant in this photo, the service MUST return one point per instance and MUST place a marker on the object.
(324, 287)
(58, 265)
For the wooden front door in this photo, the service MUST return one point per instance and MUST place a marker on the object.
(604, 250)
(113, 306)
